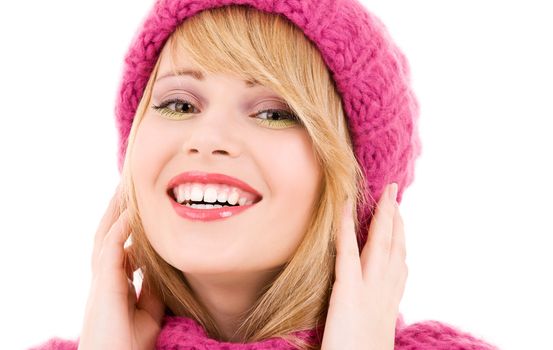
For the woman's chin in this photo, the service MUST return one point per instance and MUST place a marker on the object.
(208, 263)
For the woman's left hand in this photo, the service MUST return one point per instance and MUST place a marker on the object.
(365, 298)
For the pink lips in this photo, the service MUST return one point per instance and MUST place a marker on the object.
(208, 214)
(213, 213)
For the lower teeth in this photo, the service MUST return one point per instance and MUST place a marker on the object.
(206, 206)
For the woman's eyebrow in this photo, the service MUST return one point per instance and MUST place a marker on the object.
(199, 76)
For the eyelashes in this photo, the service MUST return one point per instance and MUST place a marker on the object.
(290, 119)
(162, 108)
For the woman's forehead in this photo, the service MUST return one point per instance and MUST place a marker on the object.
(179, 64)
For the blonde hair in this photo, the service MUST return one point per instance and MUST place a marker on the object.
(271, 50)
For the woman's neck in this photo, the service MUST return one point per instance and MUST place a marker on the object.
(229, 296)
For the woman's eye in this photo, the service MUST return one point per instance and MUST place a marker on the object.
(277, 117)
(180, 107)
(272, 117)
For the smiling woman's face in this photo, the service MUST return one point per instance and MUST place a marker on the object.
(214, 127)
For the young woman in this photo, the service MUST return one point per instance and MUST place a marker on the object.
(264, 147)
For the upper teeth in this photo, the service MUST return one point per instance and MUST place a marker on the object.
(212, 193)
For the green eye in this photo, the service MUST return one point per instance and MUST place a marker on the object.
(277, 118)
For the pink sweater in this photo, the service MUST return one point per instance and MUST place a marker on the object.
(182, 333)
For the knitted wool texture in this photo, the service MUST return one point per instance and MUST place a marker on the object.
(182, 333)
(371, 74)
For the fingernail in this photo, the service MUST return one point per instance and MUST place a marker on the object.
(392, 191)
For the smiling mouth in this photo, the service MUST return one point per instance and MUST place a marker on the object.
(191, 203)
(206, 211)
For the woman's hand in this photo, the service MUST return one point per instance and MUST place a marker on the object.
(114, 319)
(364, 303)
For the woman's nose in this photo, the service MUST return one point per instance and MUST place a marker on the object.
(212, 137)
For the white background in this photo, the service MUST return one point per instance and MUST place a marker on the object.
(477, 217)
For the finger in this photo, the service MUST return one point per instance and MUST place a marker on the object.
(112, 251)
(398, 250)
(398, 272)
(108, 219)
(376, 251)
(150, 301)
(348, 267)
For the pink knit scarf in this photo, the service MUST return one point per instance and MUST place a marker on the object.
(182, 333)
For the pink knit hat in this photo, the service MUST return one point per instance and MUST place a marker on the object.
(371, 73)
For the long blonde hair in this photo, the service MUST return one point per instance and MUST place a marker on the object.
(268, 48)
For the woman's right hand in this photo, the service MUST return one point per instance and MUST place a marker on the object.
(114, 318)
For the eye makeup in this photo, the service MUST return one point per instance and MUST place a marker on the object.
(274, 117)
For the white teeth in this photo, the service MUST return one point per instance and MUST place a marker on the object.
(223, 195)
(210, 195)
(197, 194)
(233, 197)
(176, 193)
(179, 193)
(219, 194)
(204, 206)
(182, 193)
(187, 192)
